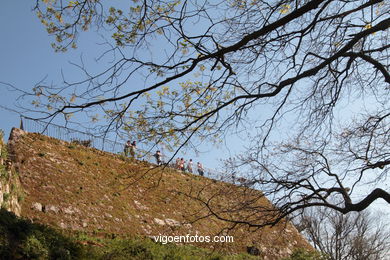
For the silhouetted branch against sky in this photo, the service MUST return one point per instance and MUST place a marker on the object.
(353, 236)
(302, 78)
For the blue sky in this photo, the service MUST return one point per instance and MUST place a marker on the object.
(27, 58)
(25, 55)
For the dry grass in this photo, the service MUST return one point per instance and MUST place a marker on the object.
(102, 193)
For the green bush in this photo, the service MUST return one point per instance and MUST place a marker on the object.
(20, 197)
(32, 248)
(13, 187)
(6, 197)
(4, 174)
(21, 239)
(3, 150)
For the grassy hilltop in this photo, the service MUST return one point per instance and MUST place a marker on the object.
(98, 195)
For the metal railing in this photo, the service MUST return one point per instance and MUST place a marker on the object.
(71, 135)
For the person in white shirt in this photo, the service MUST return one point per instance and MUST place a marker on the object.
(189, 165)
(200, 169)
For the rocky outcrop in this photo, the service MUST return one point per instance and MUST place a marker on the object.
(11, 192)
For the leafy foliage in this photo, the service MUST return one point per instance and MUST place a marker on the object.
(300, 63)
(209, 79)
(21, 239)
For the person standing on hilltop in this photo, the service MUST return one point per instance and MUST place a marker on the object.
(200, 169)
(177, 166)
(158, 156)
(127, 148)
(189, 166)
(133, 146)
(182, 164)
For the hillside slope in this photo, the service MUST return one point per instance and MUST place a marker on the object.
(79, 188)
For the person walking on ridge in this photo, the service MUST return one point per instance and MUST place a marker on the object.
(158, 156)
(127, 148)
(182, 164)
(200, 169)
(189, 166)
(133, 146)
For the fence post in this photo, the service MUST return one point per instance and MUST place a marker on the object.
(21, 123)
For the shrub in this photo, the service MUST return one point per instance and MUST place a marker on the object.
(21, 239)
(6, 197)
(32, 248)
(20, 197)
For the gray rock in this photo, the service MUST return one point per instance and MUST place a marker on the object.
(140, 206)
(188, 226)
(70, 210)
(172, 222)
(51, 208)
(37, 206)
(159, 221)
